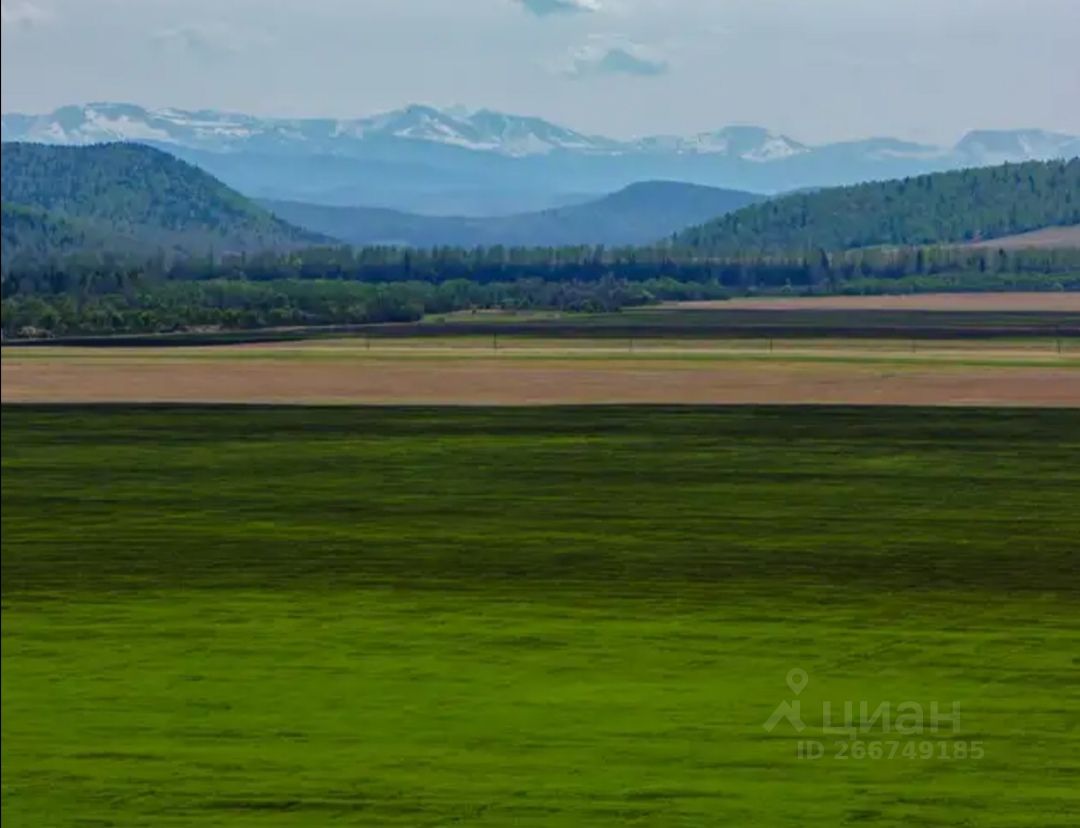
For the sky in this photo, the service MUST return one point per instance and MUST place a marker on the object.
(817, 70)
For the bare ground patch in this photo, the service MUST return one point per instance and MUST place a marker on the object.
(539, 381)
(1058, 301)
(1048, 237)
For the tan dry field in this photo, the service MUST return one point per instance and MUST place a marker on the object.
(1047, 238)
(423, 373)
(1057, 301)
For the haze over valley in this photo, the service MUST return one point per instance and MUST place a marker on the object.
(427, 161)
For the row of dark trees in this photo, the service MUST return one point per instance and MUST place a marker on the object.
(95, 294)
(812, 270)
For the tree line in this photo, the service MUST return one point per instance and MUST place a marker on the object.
(816, 269)
(92, 294)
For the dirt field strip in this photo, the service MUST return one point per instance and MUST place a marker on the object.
(972, 302)
(499, 381)
(1047, 238)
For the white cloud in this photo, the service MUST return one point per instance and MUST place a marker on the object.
(210, 41)
(545, 8)
(613, 55)
(23, 13)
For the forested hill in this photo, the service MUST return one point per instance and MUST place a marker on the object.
(135, 197)
(38, 235)
(928, 209)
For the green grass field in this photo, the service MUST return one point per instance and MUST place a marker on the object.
(541, 617)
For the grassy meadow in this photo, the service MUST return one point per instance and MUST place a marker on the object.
(300, 616)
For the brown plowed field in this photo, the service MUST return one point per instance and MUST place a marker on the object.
(1047, 238)
(540, 379)
(973, 302)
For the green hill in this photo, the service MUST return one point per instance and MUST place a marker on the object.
(35, 234)
(928, 209)
(638, 214)
(126, 198)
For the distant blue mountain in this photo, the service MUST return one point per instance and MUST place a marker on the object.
(444, 162)
(639, 214)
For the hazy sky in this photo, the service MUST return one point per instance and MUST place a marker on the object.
(815, 69)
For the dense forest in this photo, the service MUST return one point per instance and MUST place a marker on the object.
(928, 209)
(343, 285)
(135, 198)
(232, 304)
(38, 236)
(813, 271)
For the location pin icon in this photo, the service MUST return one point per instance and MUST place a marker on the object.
(797, 680)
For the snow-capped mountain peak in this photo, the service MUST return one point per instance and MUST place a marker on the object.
(423, 123)
(484, 129)
(512, 136)
(105, 121)
(749, 143)
(997, 146)
(754, 143)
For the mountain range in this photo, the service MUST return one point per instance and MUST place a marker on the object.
(444, 162)
(133, 205)
(642, 213)
(133, 200)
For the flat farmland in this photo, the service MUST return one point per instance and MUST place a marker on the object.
(516, 370)
(951, 302)
(1047, 238)
(929, 317)
(294, 616)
